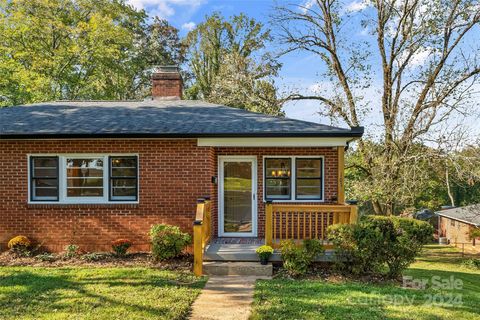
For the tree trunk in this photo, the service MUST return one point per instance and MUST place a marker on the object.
(377, 208)
(449, 190)
(389, 208)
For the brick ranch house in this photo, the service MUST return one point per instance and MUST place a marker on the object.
(90, 172)
(455, 224)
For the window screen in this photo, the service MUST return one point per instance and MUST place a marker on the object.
(123, 178)
(278, 178)
(44, 178)
(308, 179)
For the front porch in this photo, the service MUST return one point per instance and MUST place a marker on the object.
(268, 195)
(283, 222)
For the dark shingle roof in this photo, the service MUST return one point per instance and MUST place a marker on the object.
(469, 214)
(177, 118)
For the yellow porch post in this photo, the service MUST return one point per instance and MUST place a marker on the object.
(268, 223)
(341, 176)
(197, 249)
(197, 239)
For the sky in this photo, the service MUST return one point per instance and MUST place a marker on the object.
(301, 70)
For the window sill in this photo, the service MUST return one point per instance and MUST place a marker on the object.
(294, 201)
(111, 205)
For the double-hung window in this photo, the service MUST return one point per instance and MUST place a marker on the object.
(83, 178)
(308, 179)
(123, 178)
(293, 178)
(44, 178)
(278, 182)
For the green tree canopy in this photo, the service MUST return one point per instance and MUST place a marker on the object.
(230, 65)
(79, 49)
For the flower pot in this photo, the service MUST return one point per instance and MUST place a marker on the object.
(264, 260)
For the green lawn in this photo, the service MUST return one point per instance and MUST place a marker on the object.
(316, 299)
(95, 293)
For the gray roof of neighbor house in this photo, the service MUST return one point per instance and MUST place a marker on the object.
(152, 118)
(469, 214)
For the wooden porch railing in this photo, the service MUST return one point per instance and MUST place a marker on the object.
(298, 221)
(202, 233)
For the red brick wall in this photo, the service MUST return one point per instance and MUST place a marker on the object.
(458, 234)
(173, 174)
(330, 174)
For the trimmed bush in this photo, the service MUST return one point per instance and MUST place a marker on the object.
(377, 242)
(121, 246)
(472, 263)
(94, 256)
(71, 251)
(168, 241)
(407, 242)
(46, 257)
(20, 245)
(298, 259)
(474, 233)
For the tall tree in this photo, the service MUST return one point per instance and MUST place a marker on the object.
(416, 96)
(229, 64)
(457, 168)
(157, 43)
(64, 49)
(80, 49)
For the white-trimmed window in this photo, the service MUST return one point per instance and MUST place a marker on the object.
(278, 178)
(123, 178)
(294, 178)
(83, 178)
(44, 178)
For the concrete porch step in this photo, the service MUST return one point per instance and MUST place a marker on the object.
(246, 252)
(218, 268)
(231, 252)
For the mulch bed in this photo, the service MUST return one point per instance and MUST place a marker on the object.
(182, 263)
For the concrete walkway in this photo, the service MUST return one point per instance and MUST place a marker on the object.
(225, 297)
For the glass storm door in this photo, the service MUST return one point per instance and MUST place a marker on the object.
(237, 197)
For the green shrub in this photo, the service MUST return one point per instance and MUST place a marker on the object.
(472, 263)
(46, 257)
(474, 233)
(313, 248)
(297, 259)
(121, 246)
(407, 242)
(167, 241)
(71, 251)
(94, 256)
(377, 242)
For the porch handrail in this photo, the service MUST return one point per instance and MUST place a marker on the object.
(202, 233)
(304, 221)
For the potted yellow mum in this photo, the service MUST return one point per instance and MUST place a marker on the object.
(264, 253)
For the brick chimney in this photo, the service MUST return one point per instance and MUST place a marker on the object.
(167, 83)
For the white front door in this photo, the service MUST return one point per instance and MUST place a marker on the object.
(237, 196)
